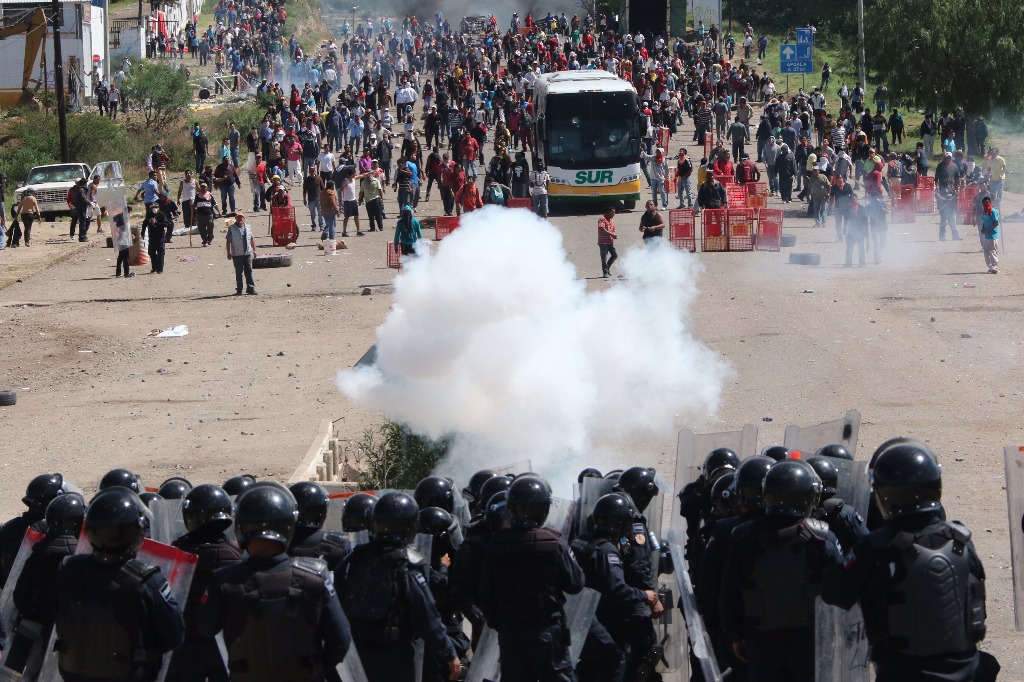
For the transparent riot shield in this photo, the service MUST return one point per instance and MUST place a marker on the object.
(119, 216)
(654, 514)
(24, 641)
(514, 468)
(1014, 459)
(351, 669)
(167, 523)
(807, 440)
(486, 663)
(359, 537)
(462, 513)
(579, 614)
(422, 545)
(671, 631)
(560, 516)
(418, 654)
(840, 644)
(692, 448)
(591, 490)
(698, 636)
(854, 485)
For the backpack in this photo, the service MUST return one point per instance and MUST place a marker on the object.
(495, 195)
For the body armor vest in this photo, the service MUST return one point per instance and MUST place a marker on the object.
(524, 566)
(783, 577)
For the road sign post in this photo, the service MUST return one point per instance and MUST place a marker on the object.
(796, 59)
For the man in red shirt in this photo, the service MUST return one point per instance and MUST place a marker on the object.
(468, 149)
(449, 172)
(468, 199)
(606, 240)
(875, 193)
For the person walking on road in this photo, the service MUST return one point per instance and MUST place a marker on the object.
(606, 240)
(990, 235)
(241, 249)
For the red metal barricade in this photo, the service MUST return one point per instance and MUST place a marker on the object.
(904, 191)
(394, 256)
(757, 201)
(769, 229)
(664, 137)
(526, 203)
(443, 226)
(925, 195)
(709, 142)
(682, 228)
(283, 228)
(736, 195)
(965, 205)
(739, 223)
(903, 211)
(712, 226)
(725, 179)
(757, 189)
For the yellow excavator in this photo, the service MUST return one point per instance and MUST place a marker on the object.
(33, 27)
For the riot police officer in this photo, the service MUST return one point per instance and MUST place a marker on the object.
(694, 500)
(918, 578)
(597, 552)
(439, 525)
(310, 540)
(357, 512)
(34, 595)
(835, 451)
(845, 521)
(435, 491)
(778, 453)
(116, 616)
(382, 585)
(472, 490)
(40, 492)
(174, 488)
(272, 597)
(526, 573)
(236, 485)
(207, 515)
(773, 575)
(121, 478)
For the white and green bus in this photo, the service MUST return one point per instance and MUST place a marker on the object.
(588, 136)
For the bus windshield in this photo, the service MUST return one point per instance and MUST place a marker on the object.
(592, 129)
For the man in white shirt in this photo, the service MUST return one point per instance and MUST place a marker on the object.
(326, 161)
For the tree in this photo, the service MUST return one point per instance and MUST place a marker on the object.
(393, 457)
(162, 92)
(946, 54)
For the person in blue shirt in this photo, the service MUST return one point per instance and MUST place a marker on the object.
(990, 235)
(150, 190)
(407, 232)
(414, 180)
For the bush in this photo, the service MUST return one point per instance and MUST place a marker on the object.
(162, 92)
(395, 458)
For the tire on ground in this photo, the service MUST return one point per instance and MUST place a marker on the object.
(788, 240)
(8, 398)
(805, 258)
(272, 260)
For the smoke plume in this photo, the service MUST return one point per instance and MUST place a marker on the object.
(495, 339)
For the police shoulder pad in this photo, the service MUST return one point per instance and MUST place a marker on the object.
(139, 569)
(960, 531)
(818, 529)
(581, 545)
(310, 565)
(335, 539)
(414, 558)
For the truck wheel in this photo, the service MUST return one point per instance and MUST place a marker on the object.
(805, 258)
(49, 217)
(788, 240)
(272, 260)
(629, 204)
(8, 398)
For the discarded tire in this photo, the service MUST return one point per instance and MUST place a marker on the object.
(805, 258)
(272, 260)
(204, 93)
(8, 398)
(788, 240)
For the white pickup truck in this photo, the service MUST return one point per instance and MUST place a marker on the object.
(51, 185)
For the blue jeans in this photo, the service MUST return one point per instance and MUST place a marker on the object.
(682, 188)
(469, 166)
(328, 231)
(658, 190)
(314, 213)
(540, 205)
(227, 194)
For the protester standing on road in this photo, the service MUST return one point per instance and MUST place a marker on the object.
(187, 190)
(407, 232)
(606, 240)
(226, 178)
(652, 225)
(28, 211)
(205, 210)
(200, 147)
(241, 249)
(684, 170)
(990, 235)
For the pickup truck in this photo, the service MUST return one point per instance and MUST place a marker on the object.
(51, 185)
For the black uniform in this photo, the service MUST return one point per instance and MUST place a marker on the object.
(845, 521)
(34, 595)
(383, 587)
(634, 632)
(318, 544)
(114, 622)
(464, 576)
(11, 535)
(439, 582)
(290, 601)
(198, 657)
(525, 577)
(922, 623)
(772, 577)
(602, 659)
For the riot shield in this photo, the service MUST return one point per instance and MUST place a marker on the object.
(486, 663)
(692, 449)
(838, 432)
(671, 632)
(1014, 460)
(359, 537)
(24, 647)
(422, 544)
(579, 613)
(167, 523)
(700, 641)
(560, 516)
(513, 468)
(351, 669)
(591, 490)
(462, 513)
(655, 516)
(840, 644)
(419, 652)
(854, 484)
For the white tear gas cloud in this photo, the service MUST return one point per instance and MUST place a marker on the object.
(493, 338)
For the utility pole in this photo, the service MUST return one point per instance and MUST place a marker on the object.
(58, 77)
(861, 64)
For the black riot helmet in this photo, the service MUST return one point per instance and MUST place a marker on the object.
(148, 498)
(589, 472)
(267, 512)
(207, 507)
(472, 489)
(435, 491)
(496, 511)
(65, 514)
(42, 490)
(236, 485)
(434, 522)
(115, 525)
(612, 516)
(776, 452)
(827, 472)
(529, 501)
(394, 519)
(906, 480)
(791, 488)
(122, 478)
(749, 482)
(638, 483)
(719, 458)
(835, 451)
(356, 514)
(312, 502)
(723, 496)
(493, 486)
(174, 488)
